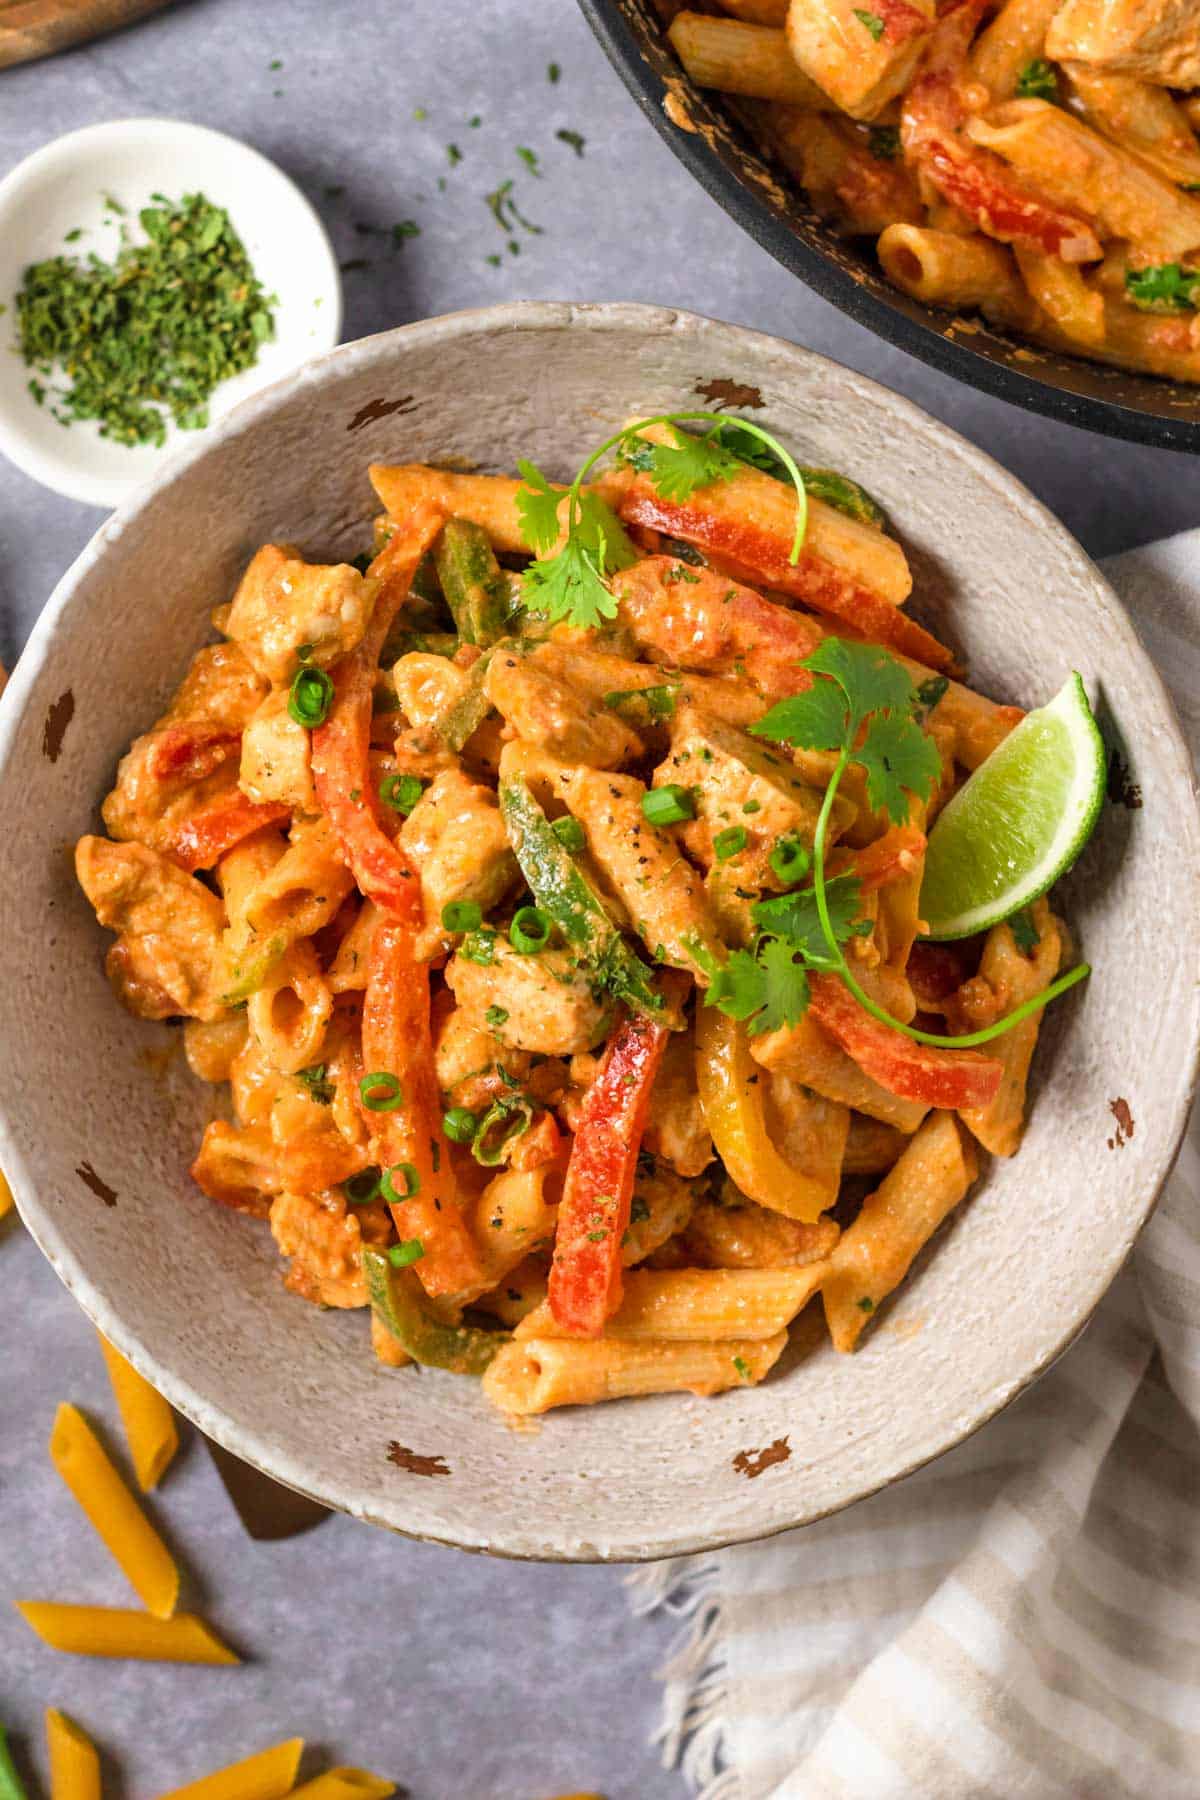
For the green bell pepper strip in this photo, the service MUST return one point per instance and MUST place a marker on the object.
(845, 495)
(564, 892)
(458, 721)
(477, 590)
(397, 1300)
(11, 1786)
(252, 969)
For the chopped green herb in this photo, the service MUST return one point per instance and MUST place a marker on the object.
(659, 700)
(459, 1124)
(362, 1188)
(790, 861)
(317, 1082)
(405, 228)
(1026, 935)
(529, 158)
(1038, 80)
(870, 22)
(742, 1367)
(475, 121)
(668, 805)
(462, 915)
(730, 842)
(146, 338)
(495, 1017)
(932, 691)
(1166, 288)
(553, 72)
(453, 155)
(479, 947)
(401, 792)
(408, 1251)
(276, 62)
(571, 138)
(419, 113)
(866, 1304)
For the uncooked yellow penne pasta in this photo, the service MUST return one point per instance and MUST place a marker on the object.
(873, 1255)
(1070, 163)
(959, 269)
(114, 1631)
(538, 1373)
(697, 1305)
(113, 1513)
(1015, 36)
(345, 1784)
(740, 58)
(149, 1422)
(269, 1775)
(74, 1763)
(6, 1199)
(1063, 294)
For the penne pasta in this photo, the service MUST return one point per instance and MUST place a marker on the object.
(345, 1784)
(756, 12)
(74, 1763)
(862, 60)
(540, 1373)
(740, 57)
(147, 1419)
(1017, 34)
(289, 1012)
(113, 1513)
(875, 1253)
(109, 1631)
(1141, 117)
(6, 1198)
(1006, 978)
(697, 1305)
(267, 1776)
(808, 1055)
(950, 268)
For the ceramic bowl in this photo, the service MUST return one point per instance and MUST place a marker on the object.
(101, 1118)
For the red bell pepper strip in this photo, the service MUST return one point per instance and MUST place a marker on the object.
(977, 181)
(397, 1040)
(901, 22)
(762, 556)
(202, 840)
(341, 747)
(913, 1071)
(893, 857)
(189, 750)
(585, 1273)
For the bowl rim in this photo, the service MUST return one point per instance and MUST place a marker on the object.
(1110, 418)
(159, 131)
(615, 316)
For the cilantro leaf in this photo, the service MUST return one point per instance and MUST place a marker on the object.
(1166, 288)
(678, 469)
(1038, 80)
(870, 22)
(815, 720)
(766, 988)
(871, 680)
(537, 508)
(794, 916)
(571, 585)
(1026, 935)
(899, 759)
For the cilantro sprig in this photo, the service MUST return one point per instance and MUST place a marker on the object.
(863, 706)
(1164, 287)
(572, 583)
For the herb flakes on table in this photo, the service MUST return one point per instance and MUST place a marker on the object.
(148, 337)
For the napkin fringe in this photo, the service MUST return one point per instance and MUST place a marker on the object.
(692, 1736)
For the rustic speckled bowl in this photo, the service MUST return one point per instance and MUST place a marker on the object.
(100, 1119)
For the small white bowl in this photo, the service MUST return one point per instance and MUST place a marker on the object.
(63, 186)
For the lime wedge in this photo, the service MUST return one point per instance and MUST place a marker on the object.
(1019, 822)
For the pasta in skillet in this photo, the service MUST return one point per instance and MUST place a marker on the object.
(1032, 160)
(554, 918)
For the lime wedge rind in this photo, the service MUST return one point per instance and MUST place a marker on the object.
(1054, 762)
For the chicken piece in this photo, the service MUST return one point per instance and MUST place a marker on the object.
(212, 1046)
(284, 604)
(676, 1131)
(661, 1206)
(740, 781)
(540, 708)
(471, 1065)
(861, 57)
(736, 1233)
(1156, 40)
(324, 1240)
(455, 839)
(427, 686)
(542, 1003)
(166, 776)
(220, 688)
(276, 757)
(166, 957)
(657, 886)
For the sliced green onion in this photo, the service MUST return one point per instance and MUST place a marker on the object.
(530, 930)
(411, 1250)
(495, 1017)
(362, 1188)
(308, 700)
(412, 1183)
(381, 1092)
(488, 1146)
(401, 792)
(479, 947)
(668, 805)
(462, 915)
(790, 861)
(727, 843)
(459, 1124)
(569, 833)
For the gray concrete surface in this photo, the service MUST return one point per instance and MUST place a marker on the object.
(464, 1679)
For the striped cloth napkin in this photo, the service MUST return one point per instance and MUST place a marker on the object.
(1022, 1617)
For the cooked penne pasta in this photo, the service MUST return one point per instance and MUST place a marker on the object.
(539, 1373)
(1003, 51)
(741, 57)
(1058, 288)
(697, 1305)
(948, 268)
(757, 12)
(564, 1013)
(874, 1255)
(74, 1763)
(149, 1423)
(109, 1631)
(113, 1513)
(267, 1776)
(1144, 118)
(862, 60)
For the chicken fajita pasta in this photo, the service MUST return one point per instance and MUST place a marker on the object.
(1032, 160)
(546, 887)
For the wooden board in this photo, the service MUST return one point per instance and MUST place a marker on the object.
(33, 28)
